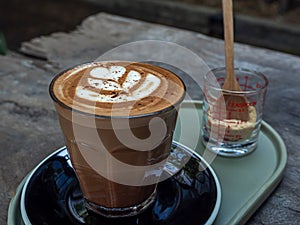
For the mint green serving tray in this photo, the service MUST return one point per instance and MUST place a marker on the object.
(14, 211)
(246, 182)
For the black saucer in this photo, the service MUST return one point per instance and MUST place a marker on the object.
(52, 195)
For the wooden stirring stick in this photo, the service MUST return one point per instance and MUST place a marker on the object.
(230, 82)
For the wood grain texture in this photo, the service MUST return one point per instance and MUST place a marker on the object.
(231, 82)
(29, 129)
(229, 44)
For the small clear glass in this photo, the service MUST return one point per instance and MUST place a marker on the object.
(221, 132)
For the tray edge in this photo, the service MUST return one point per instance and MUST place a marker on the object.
(268, 187)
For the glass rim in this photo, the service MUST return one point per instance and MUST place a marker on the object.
(240, 69)
(164, 110)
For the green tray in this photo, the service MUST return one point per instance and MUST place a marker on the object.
(246, 182)
(14, 211)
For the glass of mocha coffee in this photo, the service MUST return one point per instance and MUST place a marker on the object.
(118, 120)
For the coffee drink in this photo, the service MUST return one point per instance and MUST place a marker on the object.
(118, 120)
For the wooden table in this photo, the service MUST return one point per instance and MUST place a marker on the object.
(29, 130)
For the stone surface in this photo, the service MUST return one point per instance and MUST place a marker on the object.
(29, 129)
(251, 26)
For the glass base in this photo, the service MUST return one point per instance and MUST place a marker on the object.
(229, 149)
(120, 212)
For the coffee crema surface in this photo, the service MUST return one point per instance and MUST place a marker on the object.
(114, 88)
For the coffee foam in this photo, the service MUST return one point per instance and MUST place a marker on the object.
(125, 91)
(97, 87)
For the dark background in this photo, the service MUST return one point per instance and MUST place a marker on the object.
(22, 20)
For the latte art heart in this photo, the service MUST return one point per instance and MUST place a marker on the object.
(96, 88)
(114, 72)
(118, 85)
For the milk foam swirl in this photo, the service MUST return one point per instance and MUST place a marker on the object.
(115, 88)
(115, 84)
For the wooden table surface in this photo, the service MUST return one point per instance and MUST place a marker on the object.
(29, 129)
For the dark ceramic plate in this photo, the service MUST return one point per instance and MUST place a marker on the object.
(51, 195)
